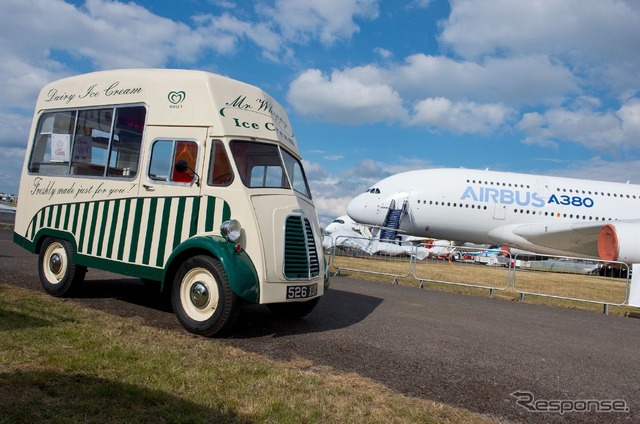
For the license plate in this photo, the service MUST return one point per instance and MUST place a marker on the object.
(301, 292)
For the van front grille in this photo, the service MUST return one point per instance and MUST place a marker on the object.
(300, 254)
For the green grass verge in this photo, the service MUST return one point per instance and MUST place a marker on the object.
(60, 363)
(552, 283)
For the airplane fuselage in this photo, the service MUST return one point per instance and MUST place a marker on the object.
(533, 212)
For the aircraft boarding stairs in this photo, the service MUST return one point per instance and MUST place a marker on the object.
(392, 221)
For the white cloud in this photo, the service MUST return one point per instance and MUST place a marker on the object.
(327, 20)
(629, 115)
(600, 169)
(582, 28)
(226, 31)
(223, 4)
(438, 86)
(104, 34)
(332, 195)
(14, 134)
(383, 53)
(345, 97)
(368, 168)
(314, 171)
(460, 117)
(98, 35)
(404, 164)
(597, 38)
(606, 131)
(157, 39)
(14, 130)
(331, 207)
(23, 80)
(419, 4)
(514, 55)
(514, 80)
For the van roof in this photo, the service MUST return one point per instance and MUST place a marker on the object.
(177, 97)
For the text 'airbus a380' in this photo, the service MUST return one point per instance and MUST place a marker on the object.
(542, 214)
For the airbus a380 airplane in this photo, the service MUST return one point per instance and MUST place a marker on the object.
(543, 214)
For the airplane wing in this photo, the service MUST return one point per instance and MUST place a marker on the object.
(575, 238)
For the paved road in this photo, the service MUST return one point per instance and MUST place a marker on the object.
(463, 350)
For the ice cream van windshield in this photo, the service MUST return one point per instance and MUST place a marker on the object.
(264, 165)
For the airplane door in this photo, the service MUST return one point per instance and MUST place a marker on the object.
(500, 212)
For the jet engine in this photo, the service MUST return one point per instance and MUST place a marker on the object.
(620, 241)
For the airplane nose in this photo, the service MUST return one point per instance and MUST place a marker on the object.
(361, 210)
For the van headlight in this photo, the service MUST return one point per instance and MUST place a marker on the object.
(231, 230)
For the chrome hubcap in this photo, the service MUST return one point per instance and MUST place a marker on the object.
(199, 295)
(55, 263)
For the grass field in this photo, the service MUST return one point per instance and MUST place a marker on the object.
(62, 363)
(473, 278)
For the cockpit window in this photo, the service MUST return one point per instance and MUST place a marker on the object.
(374, 190)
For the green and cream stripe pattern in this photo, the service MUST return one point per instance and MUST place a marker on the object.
(140, 231)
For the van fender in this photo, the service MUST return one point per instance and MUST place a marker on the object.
(33, 246)
(241, 273)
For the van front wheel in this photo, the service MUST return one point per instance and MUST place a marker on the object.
(58, 273)
(202, 298)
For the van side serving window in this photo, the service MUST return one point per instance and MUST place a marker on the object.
(164, 156)
(102, 142)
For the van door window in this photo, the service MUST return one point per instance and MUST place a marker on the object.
(165, 154)
(220, 171)
(188, 152)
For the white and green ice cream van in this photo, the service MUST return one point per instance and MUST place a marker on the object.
(183, 177)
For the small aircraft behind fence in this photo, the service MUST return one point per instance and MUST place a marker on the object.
(542, 214)
(343, 233)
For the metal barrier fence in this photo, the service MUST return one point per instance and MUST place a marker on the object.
(7, 218)
(473, 267)
(564, 277)
(594, 281)
(382, 257)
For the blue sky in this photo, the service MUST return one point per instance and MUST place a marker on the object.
(372, 87)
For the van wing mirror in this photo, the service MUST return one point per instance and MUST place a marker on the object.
(182, 166)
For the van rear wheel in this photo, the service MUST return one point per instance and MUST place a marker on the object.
(202, 298)
(58, 274)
